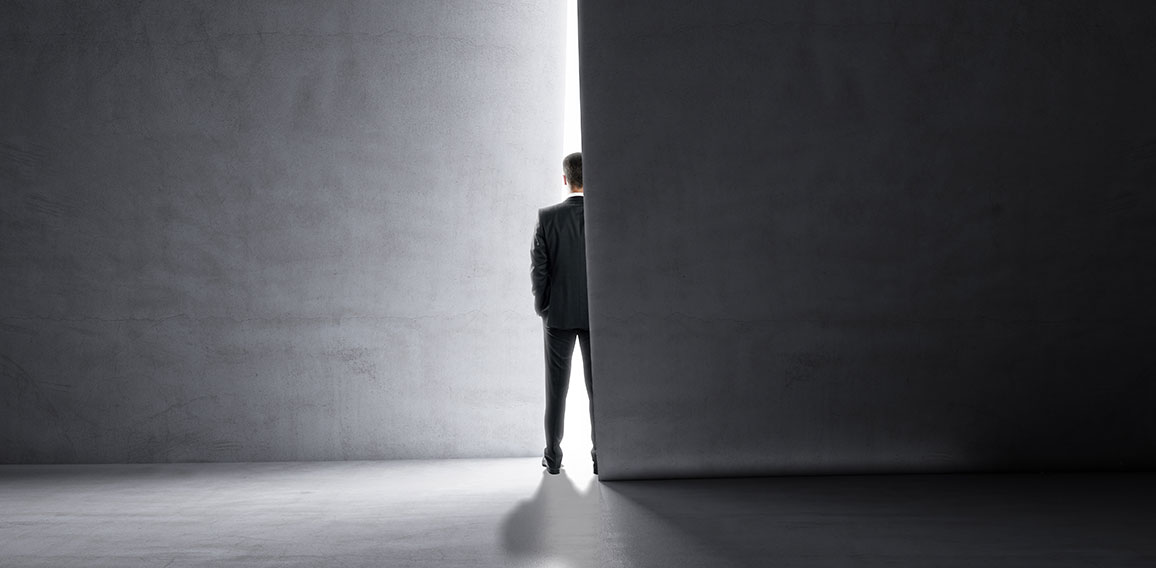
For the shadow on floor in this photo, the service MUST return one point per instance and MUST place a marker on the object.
(931, 520)
(558, 524)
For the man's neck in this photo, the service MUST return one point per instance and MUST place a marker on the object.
(574, 192)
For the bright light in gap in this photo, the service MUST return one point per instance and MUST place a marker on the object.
(576, 437)
(572, 119)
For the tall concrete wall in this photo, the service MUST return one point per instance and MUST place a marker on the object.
(830, 236)
(273, 230)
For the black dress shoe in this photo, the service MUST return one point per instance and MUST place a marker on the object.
(552, 470)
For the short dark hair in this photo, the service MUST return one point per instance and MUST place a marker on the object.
(572, 168)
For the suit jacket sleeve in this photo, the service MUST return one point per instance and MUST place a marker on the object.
(540, 270)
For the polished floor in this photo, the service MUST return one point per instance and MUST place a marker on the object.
(508, 513)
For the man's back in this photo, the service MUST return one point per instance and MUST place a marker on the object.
(559, 265)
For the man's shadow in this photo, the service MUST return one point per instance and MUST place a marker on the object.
(558, 523)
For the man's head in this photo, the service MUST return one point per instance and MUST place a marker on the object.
(572, 171)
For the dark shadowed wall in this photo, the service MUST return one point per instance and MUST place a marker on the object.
(880, 236)
(273, 230)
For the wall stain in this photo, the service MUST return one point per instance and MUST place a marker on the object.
(30, 397)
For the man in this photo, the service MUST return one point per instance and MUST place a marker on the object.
(558, 275)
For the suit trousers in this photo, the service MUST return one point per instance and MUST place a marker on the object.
(559, 351)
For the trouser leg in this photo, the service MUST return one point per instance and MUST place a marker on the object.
(584, 340)
(559, 350)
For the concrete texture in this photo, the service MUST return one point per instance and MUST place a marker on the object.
(832, 236)
(508, 513)
(273, 231)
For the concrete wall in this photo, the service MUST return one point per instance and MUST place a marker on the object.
(874, 236)
(273, 230)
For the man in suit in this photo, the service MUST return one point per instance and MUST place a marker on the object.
(558, 275)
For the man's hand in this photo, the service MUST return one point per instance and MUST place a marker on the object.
(540, 271)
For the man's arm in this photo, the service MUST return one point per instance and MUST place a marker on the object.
(540, 270)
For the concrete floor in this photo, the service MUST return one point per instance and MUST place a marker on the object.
(508, 513)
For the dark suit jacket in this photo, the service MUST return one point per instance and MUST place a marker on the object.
(558, 265)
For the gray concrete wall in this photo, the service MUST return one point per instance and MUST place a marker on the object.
(831, 236)
(273, 230)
